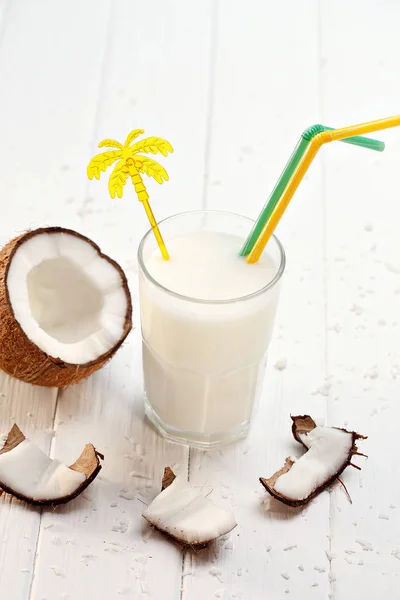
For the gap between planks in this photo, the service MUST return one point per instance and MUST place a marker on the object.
(40, 529)
(214, 21)
(104, 68)
(4, 14)
(100, 95)
(321, 108)
(211, 98)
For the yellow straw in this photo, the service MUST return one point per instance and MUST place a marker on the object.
(315, 145)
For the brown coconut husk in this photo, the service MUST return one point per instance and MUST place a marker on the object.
(304, 424)
(168, 478)
(88, 464)
(19, 356)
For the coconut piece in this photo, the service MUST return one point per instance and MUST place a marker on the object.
(329, 452)
(185, 514)
(30, 475)
(65, 307)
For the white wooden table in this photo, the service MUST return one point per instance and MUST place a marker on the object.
(231, 84)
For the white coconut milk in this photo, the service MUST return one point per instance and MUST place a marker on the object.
(204, 359)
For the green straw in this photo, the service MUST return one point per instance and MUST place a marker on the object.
(288, 171)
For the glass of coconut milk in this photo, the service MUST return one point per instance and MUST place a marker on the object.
(207, 319)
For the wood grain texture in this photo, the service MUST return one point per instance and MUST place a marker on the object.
(363, 267)
(49, 90)
(5, 6)
(263, 555)
(32, 408)
(50, 60)
(100, 546)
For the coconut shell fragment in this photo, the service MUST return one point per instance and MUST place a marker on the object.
(30, 475)
(329, 452)
(65, 307)
(301, 426)
(184, 514)
(168, 478)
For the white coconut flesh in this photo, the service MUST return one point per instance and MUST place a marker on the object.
(68, 299)
(328, 451)
(183, 512)
(28, 472)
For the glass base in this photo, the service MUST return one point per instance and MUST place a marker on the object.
(204, 441)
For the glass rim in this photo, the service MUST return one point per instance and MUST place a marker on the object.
(265, 288)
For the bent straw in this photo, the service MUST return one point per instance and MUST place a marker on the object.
(287, 173)
(311, 151)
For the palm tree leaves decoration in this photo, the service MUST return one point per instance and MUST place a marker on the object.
(132, 165)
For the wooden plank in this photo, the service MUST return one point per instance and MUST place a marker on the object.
(363, 285)
(49, 89)
(50, 59)
(5, 6)
(100, 546)
(32, 408)
(266, 93)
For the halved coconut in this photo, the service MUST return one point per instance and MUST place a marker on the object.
(329, 452)
(185, 514)
(30, 475)
(65, 307)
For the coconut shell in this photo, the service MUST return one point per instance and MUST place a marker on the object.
(304, 424)
(88, 464)
(19, 356)
(168, 478)
(301, 425)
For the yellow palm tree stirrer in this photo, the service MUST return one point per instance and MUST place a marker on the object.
(130, 165)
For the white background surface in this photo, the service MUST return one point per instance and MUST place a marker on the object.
(232, 85)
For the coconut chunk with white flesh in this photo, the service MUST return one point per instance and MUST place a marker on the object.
(184, 513)
(30, 475)
(329, 452)
(65, 307)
